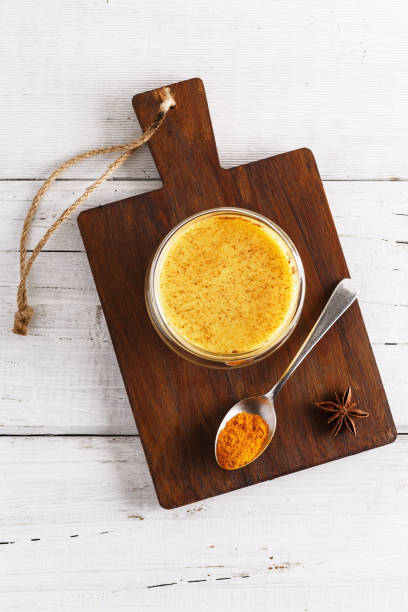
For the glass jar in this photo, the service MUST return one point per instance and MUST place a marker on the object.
(194, 353)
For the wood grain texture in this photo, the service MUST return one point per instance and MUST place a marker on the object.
(84, 531)
(330, 75)
(178, 407)
(69, 342)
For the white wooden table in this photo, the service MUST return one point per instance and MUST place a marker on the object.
(80, 525)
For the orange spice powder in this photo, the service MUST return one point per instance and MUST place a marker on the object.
(241, 440)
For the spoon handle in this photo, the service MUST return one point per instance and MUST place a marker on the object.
(341, 299)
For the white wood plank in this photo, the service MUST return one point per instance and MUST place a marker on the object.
(63, 378)
(16, 198)
(371, 218)
(363, 210)
(230, 597)
(56, 384)
(279, 75)
(84, 531)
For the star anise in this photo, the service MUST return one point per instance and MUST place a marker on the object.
(343, 411)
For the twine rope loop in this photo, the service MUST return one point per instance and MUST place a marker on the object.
(25, 312)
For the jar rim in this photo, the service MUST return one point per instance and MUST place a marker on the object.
(185, 348)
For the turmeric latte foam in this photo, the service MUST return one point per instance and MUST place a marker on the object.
(227, 284)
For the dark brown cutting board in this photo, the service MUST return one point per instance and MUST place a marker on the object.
(177, 405)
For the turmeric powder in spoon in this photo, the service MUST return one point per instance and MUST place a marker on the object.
(241, 441)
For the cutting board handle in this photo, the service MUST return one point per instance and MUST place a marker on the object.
(184, 147)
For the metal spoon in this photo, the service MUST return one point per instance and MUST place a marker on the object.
(340, 300)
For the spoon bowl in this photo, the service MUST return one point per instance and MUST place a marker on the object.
(263, 406)
(340, 300)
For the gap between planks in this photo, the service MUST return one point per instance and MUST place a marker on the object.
(152, 179)
(107, 435)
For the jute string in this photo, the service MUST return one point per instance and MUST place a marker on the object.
(25, 312)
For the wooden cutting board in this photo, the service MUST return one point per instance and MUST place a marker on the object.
(177, 405)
